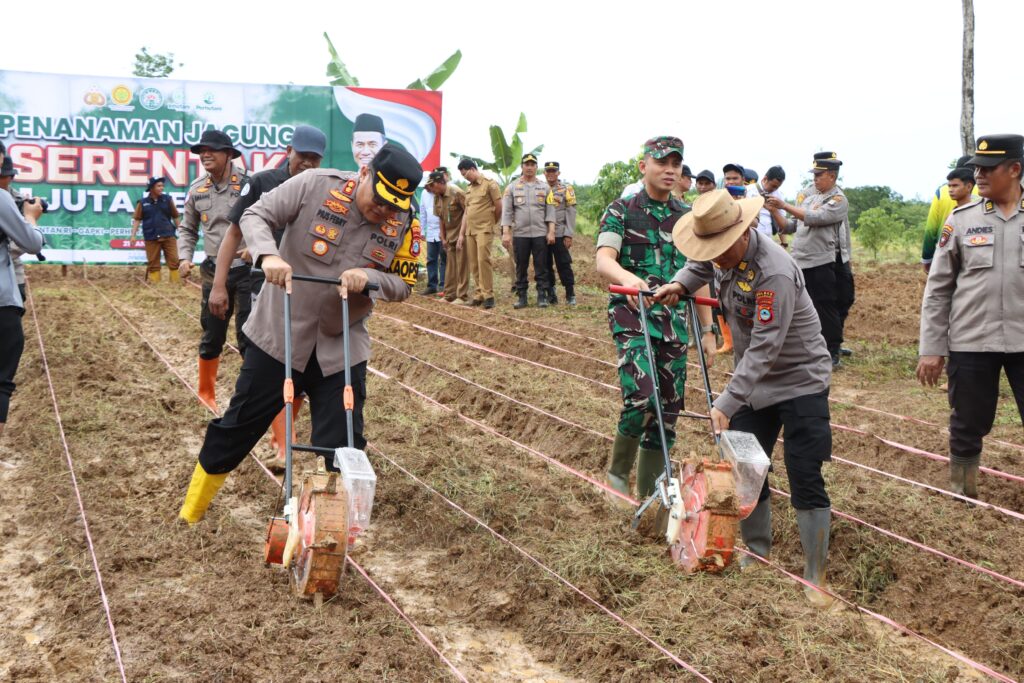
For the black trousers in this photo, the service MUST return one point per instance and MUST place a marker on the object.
(973, 394)
(560, 259)
(524, 248)
(823, 288)
(807, 442)
(257, 400)
(845, 294)
(12, 343)
(215, 330)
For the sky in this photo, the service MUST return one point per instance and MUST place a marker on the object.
(755, 83)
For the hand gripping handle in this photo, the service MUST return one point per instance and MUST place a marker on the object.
(636, 291)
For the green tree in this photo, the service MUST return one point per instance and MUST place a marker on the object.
(610, 180)
(339, 73)
(154, 65)
(507, 153)
(868, 197)
(879, 226)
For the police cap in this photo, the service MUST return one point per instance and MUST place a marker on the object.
(993, 150)
(396, 175)
(551, 166)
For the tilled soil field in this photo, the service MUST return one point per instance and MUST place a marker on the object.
(463, 405)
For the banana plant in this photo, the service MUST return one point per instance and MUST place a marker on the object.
(339, 73)
(507, 154)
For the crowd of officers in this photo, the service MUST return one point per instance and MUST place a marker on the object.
(781, 312)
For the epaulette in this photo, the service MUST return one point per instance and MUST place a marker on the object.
(987, 206)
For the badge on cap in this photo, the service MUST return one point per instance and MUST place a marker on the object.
(765, 306)
(320, 247)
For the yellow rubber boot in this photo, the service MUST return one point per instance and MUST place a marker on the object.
(201, 491)
(726, 336)
(175, 277)
(208, 381)
(154, 276)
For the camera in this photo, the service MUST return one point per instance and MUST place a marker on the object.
(20, 201)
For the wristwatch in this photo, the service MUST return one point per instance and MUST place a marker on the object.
(704, 329)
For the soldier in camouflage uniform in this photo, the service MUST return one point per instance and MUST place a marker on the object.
(635, 250)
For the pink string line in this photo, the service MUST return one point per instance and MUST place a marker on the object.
(920, 546)
(675, 659)
(490, 430)
(175, 305)
(78, 494)
(882, 618)
(831, 399)
(412, 624)
(170, 367)
(580, 427)
(279, 484)
(844, 428)
(510, 334)
(500, 354)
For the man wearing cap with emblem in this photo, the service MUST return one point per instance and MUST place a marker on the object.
(159, 218)
(528, 228)
(483, 211)
(634, 249)
(353, 227)
(563, 197)
(782, 366)
(822, 248)
(449, 207)
(973, 307)
(208, 206)
(306, 151)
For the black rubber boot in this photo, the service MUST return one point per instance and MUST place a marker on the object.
(521, 303)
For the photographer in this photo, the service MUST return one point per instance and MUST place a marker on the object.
(7, 173)
(21, 231)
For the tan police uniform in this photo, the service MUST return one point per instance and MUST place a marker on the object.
(563, 197)
(450, 208)
(208, 207)
(973, 312)
(481, 198)
(525, 211)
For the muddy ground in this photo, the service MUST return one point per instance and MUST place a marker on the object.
(197, 603)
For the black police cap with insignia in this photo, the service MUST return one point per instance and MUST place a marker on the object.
(993, 150)
(436, 177)
(551, 166)
(395, 174)
(825, 161)
(529, 157)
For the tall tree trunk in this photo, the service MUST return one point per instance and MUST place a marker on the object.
(967, 92)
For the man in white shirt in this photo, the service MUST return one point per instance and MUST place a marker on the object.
(437, 259)
(770, 219)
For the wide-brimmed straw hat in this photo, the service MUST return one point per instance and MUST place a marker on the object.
(715, 223)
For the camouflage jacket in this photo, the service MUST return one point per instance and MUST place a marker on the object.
(640, 230)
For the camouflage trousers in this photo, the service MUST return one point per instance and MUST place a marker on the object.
(636, 376)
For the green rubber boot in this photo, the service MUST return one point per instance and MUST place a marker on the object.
(963, 478)
(814, 531)
(650, 465)
(623, 456)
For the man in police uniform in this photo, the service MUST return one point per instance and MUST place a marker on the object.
(449, 207)
(305, 152)
(634, 249)
(337, 224)
(973, 307)
(782, 367)
(563, 197)
(528, 226)
(207, 206)
(822, 248)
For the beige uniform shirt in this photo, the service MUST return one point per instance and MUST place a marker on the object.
(208, 206)
(481, 198)
(563, 198)
(776, 335)
(450, 208)
(524, 208)
(824, 233)
(325, 235)
(974, 300)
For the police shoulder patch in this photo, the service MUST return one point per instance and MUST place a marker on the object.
(765, 306)
(947, 232)
(570, 195)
